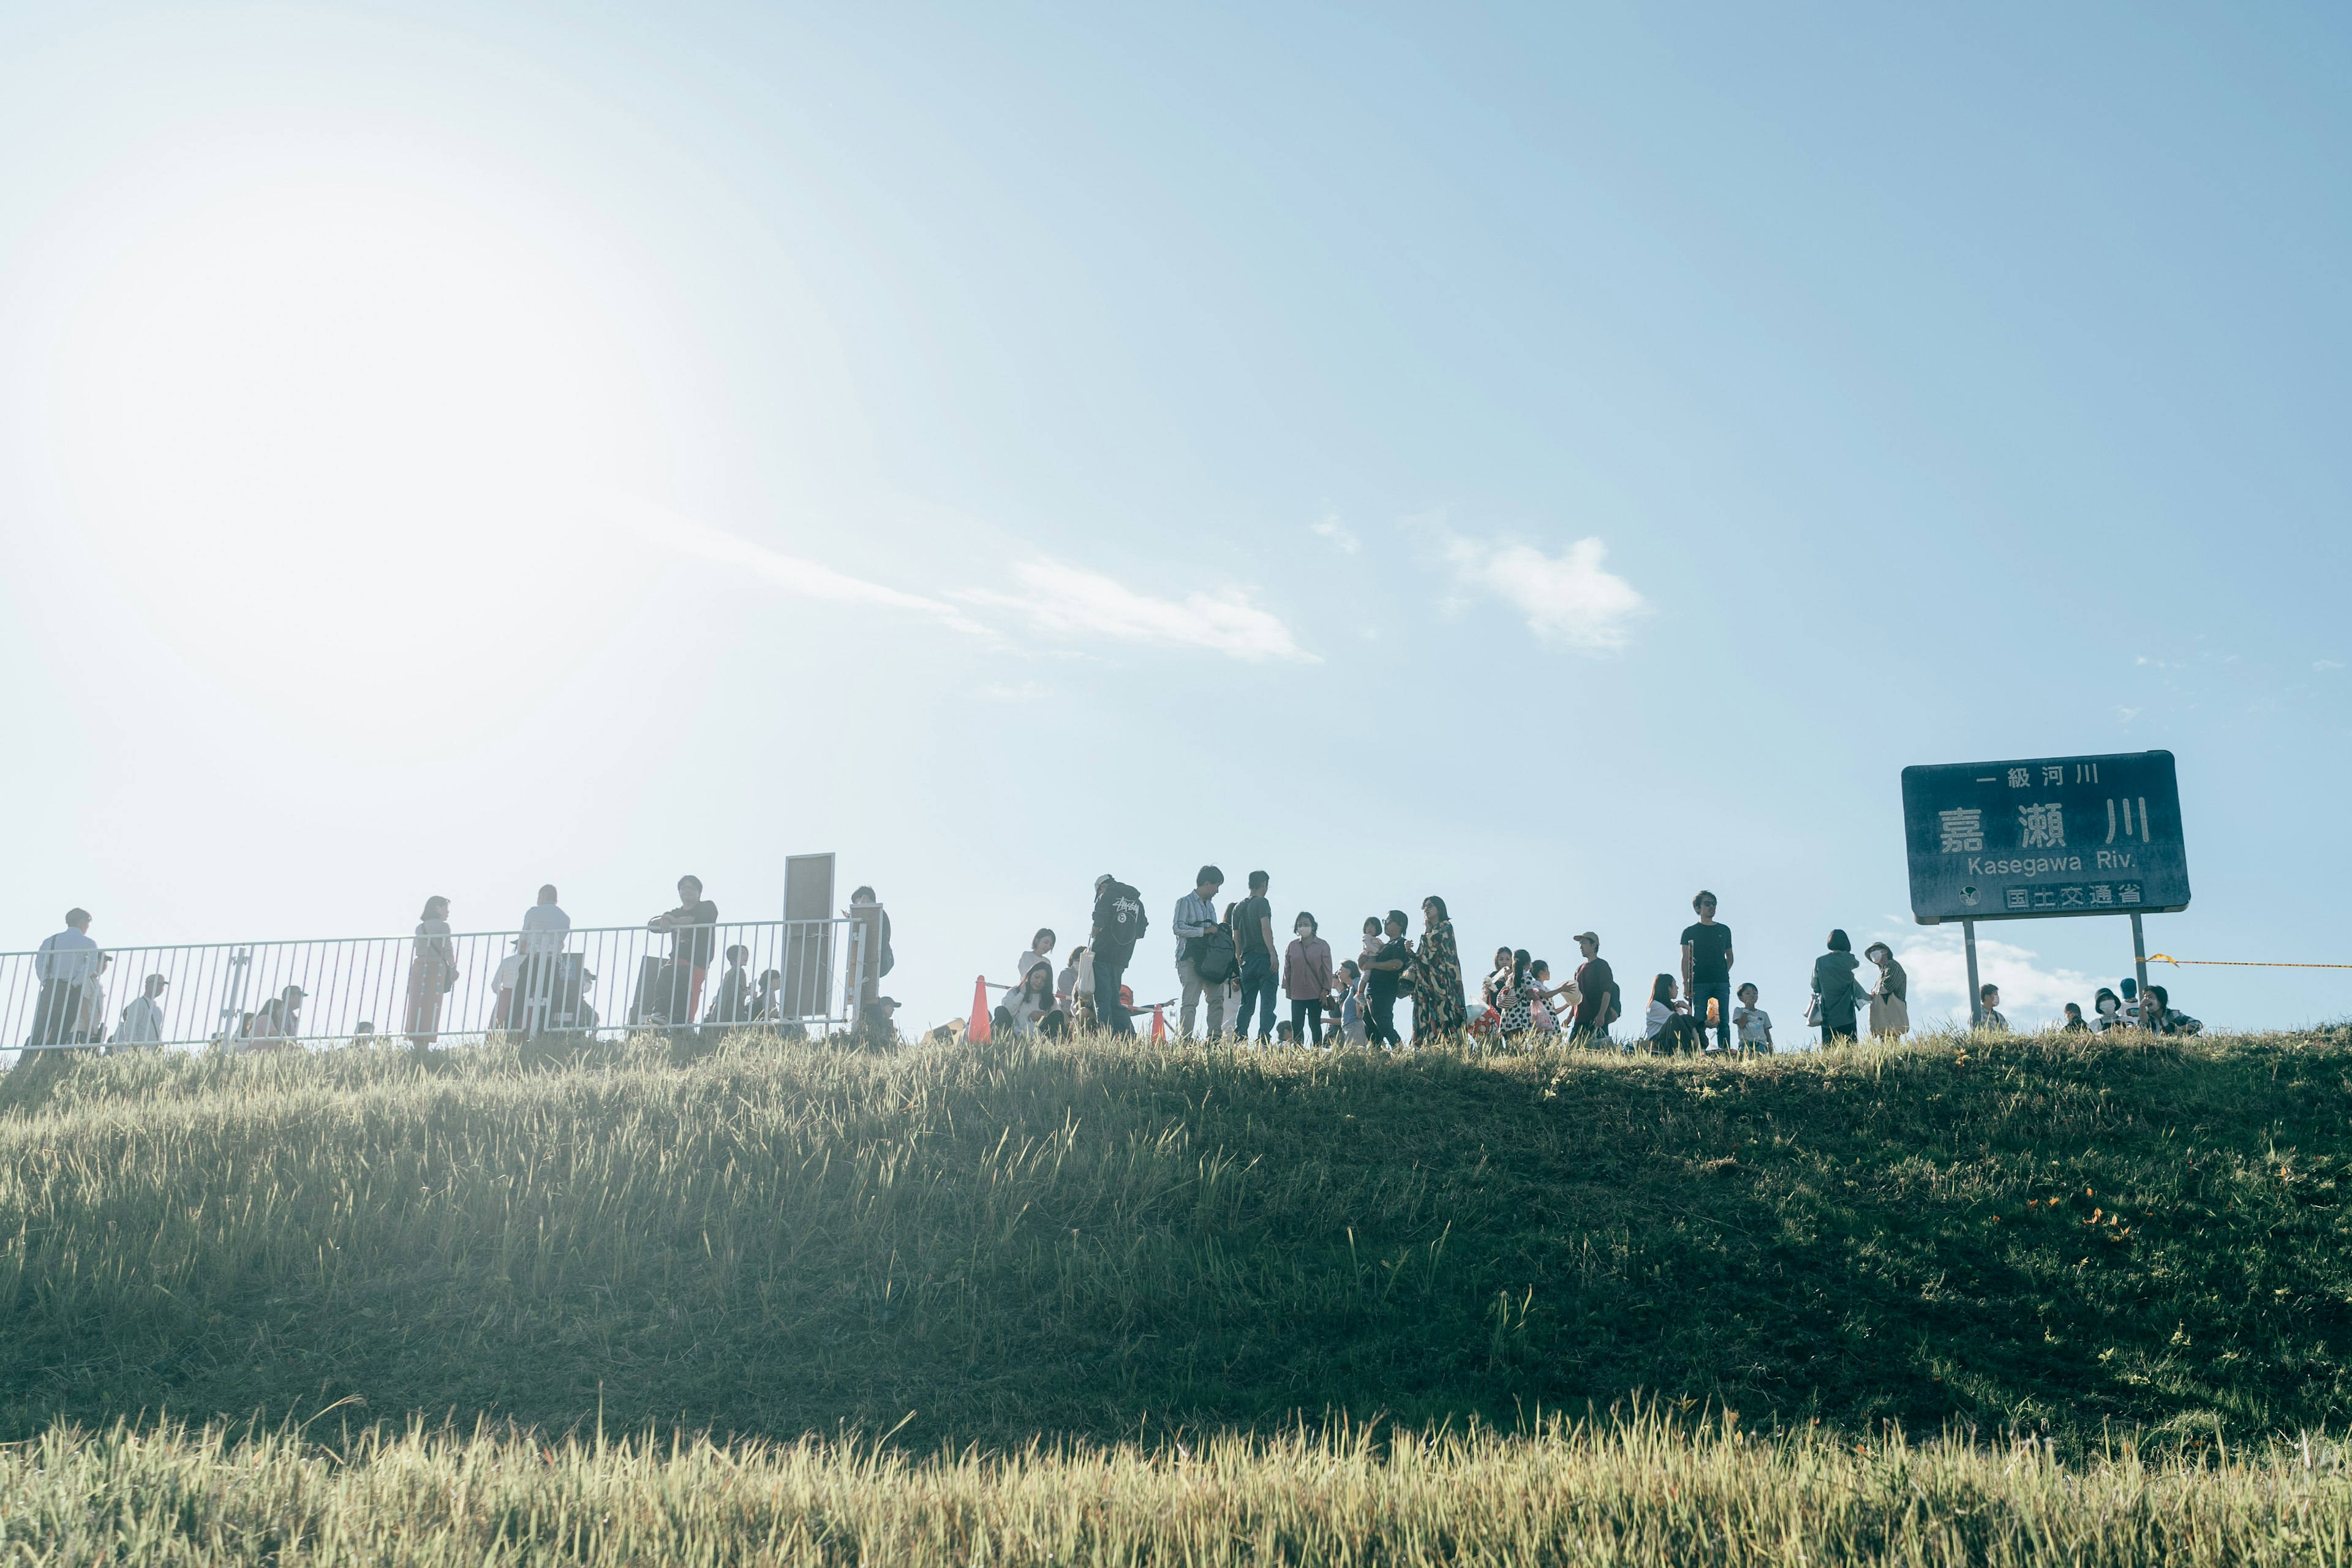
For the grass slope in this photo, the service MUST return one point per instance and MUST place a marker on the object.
(1098, 1239)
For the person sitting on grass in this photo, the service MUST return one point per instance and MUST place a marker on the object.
(1990, 1021)
(732, 1002)
(1669, 1026)
(2110, 1009)
(1027, 1007)
(2163, 1019)
(2074, 1024)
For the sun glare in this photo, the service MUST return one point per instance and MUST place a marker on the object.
(345, 443)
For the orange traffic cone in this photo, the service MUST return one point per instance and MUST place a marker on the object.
(1159, 1022)
(977, 1030)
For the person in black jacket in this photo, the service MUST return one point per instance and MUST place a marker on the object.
(1119, 925)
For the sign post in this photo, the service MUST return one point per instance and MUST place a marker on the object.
(1975, 992)
(2045, 838)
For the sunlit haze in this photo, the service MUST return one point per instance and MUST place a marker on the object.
(1556, 461)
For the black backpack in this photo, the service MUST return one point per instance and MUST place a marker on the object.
(1212, 955)
(1128, 921)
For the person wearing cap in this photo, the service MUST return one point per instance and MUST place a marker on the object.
(1118, 924)
(143, 1021)
(875, 1025)
(63, 964)
(1596, 986)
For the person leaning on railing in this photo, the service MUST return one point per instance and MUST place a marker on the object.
(694, 934)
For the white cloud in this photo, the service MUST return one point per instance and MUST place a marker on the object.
(1567, 598)
(2125, 715)
(1027, 691)
(2325, 664)
(1330, 527)
(673, 530)
(1936, 962)
(1065, 601)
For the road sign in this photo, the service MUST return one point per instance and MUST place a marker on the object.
(2046, 835)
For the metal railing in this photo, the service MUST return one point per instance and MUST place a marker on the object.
(462, 987)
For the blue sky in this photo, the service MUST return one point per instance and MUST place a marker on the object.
(1554, 459)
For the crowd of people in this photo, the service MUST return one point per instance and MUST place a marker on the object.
(1230, 964)
(540, 986)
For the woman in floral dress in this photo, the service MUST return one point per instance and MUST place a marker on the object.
(1438, 1006)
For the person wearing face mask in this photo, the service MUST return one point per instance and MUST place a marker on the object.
(1307, 979)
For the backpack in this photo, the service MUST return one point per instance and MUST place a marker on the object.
(1128, 921)
(1212, 955)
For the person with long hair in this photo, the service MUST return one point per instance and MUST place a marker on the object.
(1027, 1007)
(1438, 1008)
(432, 973)
(1669, 1026)
(1518, 995)
(1890, 1003)
(1836, 990)
(1495, 990)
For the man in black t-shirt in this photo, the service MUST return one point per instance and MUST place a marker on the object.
(1253, 940)
(1707, 968)
(694, 935)
(1596, 987)
(1382, 974)
(1117, 926)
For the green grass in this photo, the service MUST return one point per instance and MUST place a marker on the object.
(1105, 1242)
(1645, 1490)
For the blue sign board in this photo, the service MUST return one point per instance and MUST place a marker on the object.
(2046, 835)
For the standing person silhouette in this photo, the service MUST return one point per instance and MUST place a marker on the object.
(64, 964)
(1439, 1007)
(1118, 924)
(1706, 969)
(432, 973)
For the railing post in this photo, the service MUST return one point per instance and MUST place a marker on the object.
(233, 1014)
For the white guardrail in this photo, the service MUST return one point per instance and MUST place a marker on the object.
(462, 987)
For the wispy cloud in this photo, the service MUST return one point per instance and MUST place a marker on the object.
(2325, 664)
(1329, 526)
(998, 692)
(674, 530)
(1936, 962)
(1569, 598)
(2125, 715)
(1064, 600)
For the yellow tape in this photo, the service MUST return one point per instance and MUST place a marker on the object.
(2238, 963)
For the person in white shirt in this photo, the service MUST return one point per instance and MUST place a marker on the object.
(64, 964)
(1041, 950)
(1754, 1024)
(143, 1021)
(546, 931)
(90, 1028)
(509, 977)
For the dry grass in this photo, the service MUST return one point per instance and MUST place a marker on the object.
(1645, 1490)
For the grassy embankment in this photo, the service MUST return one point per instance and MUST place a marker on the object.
(1101, 1242)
